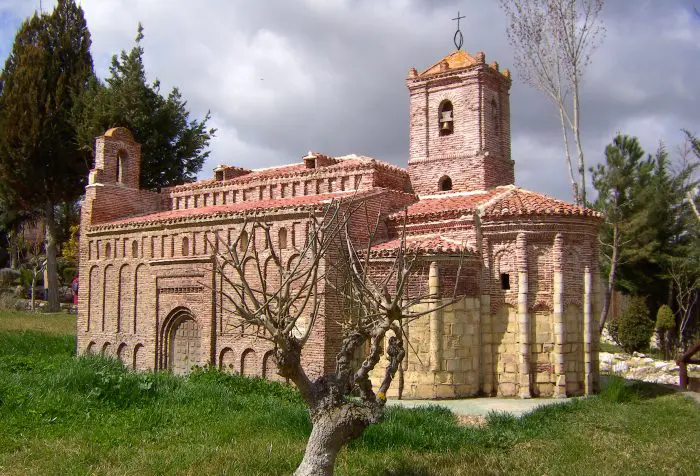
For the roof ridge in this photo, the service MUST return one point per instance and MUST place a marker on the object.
(480, 209)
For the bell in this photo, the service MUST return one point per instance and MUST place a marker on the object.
(446, 126)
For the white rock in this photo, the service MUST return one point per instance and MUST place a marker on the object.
(621, 367)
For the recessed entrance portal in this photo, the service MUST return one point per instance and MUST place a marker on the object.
(184, 347)
(182, 342)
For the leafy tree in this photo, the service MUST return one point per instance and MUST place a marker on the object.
(646, 219)
(634, 328)
(553, 41)
(48, 69)
(173, 147)
(615, 182)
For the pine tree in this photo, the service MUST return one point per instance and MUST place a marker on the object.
(173, 147)
(48, 69)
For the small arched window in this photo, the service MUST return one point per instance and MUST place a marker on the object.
(282, 238)
(134, 249)
(446, 118)
(108, 251)
(185, 246)
(121, 159)
(445, 184)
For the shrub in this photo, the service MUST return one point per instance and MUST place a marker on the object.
(634, 326)
(664, 319)
(613, 326)
(8, 276)
(68, 274)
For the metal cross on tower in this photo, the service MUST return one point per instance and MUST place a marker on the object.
(458, 38)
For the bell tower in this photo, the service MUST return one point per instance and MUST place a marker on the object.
(459, 125)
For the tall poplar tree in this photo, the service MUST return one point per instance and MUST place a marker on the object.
(173, 146)
(49, 67)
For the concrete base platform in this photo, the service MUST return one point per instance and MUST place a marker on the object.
(483, 406)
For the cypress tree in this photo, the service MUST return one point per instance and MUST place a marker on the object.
(49, 67)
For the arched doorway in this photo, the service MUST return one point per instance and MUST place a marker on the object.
(182, 341)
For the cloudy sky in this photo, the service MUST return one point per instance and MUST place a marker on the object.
(282, 77)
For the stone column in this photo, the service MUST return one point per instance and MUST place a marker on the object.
(587, 332)
(486, 384)
(559, 323)
(435, 319)
(595, 318)
(523, 317)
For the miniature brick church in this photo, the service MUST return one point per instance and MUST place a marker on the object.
(525, 321)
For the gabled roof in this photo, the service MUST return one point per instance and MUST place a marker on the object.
(517, 201)
(422, 244)
(455, 60)
(506, 200)
(460, 59)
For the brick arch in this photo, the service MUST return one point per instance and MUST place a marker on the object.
(140, 294)
(90, 349)
(109, 285)
(271, 270)
(227, 360)
(123, 354)
(292, 261)
(227, 319)
(93, 297)
(249, 363)
(106, 349)
(573, 275)
(125, 299)
(137, 357)
(269, 367)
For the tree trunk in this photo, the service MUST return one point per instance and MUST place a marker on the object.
(332, 429)
(579, 148)
(32, 291)
(567, 154)
(52, 304)
(611, 279)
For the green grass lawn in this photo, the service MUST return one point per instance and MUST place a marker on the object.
(62, 415)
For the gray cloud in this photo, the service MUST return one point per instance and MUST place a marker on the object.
(282, 77)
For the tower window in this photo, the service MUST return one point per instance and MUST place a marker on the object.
(445, 184)
(120, 166)
(185, 246)
(446, 118)
(505, 281)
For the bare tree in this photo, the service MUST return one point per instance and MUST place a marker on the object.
(36, 261)
(553, 41)
(686, 282)
(370, 300)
